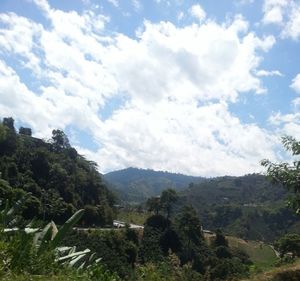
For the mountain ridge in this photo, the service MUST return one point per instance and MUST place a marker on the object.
(135, 185)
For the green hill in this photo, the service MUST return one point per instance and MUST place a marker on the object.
(136, 185)
(59, 179)
(249, 207)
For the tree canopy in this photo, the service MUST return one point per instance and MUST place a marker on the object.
(59, 180)
(287, 173)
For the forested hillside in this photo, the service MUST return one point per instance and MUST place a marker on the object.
(59, 179)
(249, 207)
(136, 185)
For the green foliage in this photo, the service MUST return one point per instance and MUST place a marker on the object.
(32, 252)
(250, 207)
(59, 179)
(285, 173)
(118, 254)
(288, 244)
(8, 214)
(228, 269)
(189, 226)
(154, 205)
(168, 198)
(168, 270)
(25, 131)
(220, 239)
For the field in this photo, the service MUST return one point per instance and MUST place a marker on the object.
(133, 216)
(261, 254)
(290, 272)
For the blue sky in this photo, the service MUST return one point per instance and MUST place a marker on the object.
(198, 87)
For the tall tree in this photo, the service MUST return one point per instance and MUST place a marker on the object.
(25, 131)
(167, 200)
(59, 140)
(9, 123)
(153, 204)
(287, 174)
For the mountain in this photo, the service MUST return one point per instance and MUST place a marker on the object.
(136, 185)
(250, 206)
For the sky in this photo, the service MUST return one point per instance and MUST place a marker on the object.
(204, 88)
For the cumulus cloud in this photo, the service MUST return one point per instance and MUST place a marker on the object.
(176, 83)
(287, 124)
(292, 26)
(197, 12)
(296, 84)
(286, 14)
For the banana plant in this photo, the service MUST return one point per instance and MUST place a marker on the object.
(8, 214)
(50, 237)
(79, 260)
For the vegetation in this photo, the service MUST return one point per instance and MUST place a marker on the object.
(287, 174)
(249, 207)
(33, 253)
(133, 215)
(289, 244)
(135, 186)
(59, 180)
(44, 181)
(290, 272)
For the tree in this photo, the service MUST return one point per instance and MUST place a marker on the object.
(25, 131)
(220, 239)
(189, 225)
(193, 247)
(287, 174)
(290, 243)
(9, 123)
(59, 140)
(154, 205)
(8, 138)
(167, 200)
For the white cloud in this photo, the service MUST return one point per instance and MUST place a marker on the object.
(11, 41)
(266, 73)
(296, 83)
(114, 2)
(287, 124)
(197, 12)
(292, 27)
(176, 82)
(208, 61)
(274, 10)
(286, 14)
(194, 140)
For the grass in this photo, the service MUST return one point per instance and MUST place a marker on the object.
(261, 254)
(290, 272)
(133, 216)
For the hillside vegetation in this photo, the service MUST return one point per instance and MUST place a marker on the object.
(136, 185)
(59, 180)
(289, 272)
(250, 207)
